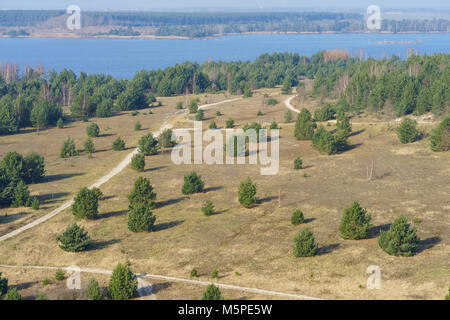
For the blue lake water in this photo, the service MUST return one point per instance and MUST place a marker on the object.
(121, 58)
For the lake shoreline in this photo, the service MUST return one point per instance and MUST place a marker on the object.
(173, 37)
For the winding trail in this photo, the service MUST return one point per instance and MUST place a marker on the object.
(116, 170)
(145, 289)
(288, 105)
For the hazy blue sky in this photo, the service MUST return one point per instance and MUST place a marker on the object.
(178, 4)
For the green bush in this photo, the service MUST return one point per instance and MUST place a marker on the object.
(74, 239)
(407, 131)
(218, 113)
(21, 196)
(92, 130)
(60, 275)
(288, 116)
(200, 116)
(248, 93)
(68, 148)
(247, 193)
(298, 163)
(304, 126)
(35, 204)
(212, 293)
(192, 183)
(60, 123)
(323, 114)
(46, 282)
(93, 290)
(272, 101)
(34, 165)
(447, 297)
(355, 222)
(323, 141)
(259, 113)
(123, 283)
(148, 145)
(85, 204)
(400, 240)
(3, 285)
(194, 273)
(137, 126)
(343, 123)
(41, 296)
(193, 106)
(165, 139)
(287, 87)
(274, 125)
(89, 147)
(13, 294)
(208, 208)
(297, 217)
(140, 218)
(138, 162)
(104, 109)
(179, 105)
(304, 245)
(215, 274)
(150, 98)
(440, 137)
(213, 125)
(142, 193)
(118, 144)
(229, 123)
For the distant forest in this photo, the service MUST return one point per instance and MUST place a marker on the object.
(197, 25)
(389, 86)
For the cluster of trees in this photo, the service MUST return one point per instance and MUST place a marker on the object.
(322, 139)
(400, 240)
(392, 86)
(416, 85)
(16, 172)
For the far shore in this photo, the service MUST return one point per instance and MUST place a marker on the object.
(72, 35)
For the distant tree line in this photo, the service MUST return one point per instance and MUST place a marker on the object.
(392, 86)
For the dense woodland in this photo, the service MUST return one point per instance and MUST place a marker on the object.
(390, 86)
(204, 24)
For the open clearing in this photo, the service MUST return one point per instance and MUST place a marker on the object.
(249, 247)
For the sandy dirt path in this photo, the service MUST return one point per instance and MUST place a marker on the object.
(122, 165)
(146, 288)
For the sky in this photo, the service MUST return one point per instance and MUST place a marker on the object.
(158, 5)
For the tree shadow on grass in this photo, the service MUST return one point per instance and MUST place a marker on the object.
(24, 285)
(167, 225)
(160, 286)
(107, 135)
(351, 147)
(375, 231)
(12, 217)
(112, 214)
(98, 245)
(427, 244)
(266, 199)
(309, 220)
(210, 189)
(57, 177)
(328, 249)
(355, 133)
(155, 168)
(48, 198)
(169, 202)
